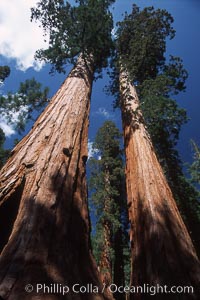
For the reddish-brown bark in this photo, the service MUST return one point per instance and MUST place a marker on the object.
(105, 265)
(162, 251)
(43, 185)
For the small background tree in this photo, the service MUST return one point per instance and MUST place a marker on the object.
(108, 199)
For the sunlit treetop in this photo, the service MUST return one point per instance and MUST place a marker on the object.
(84, 28)
(140, 48)
(141, 41)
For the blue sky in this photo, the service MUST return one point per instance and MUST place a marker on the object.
(19, 39)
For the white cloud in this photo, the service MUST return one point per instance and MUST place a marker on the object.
(19, 37)
(104, 113)
(7, 129)
(1, 85)
(92, 152)
(114, 32)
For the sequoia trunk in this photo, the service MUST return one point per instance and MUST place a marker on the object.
(162, 251)
(44, 212)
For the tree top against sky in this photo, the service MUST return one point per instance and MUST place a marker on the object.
(70, 30)
(141, 41)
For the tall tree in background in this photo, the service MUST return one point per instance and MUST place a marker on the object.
(108, 200)
(162, 251)
(44, 213)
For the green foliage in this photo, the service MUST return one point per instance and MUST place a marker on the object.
(98, 242)
(175, 74)
(32, 94)
(195, 167)
(4, 72)
(108, 196)
(84, 28)
(141, 41)
(18, 107)
(162, 114)
(140, 48)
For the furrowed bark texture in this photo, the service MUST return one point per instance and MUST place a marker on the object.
(105, 261)
(44, 194)
(162, 251)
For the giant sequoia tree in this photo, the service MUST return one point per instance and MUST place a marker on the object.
(44, 212)
(162, 251)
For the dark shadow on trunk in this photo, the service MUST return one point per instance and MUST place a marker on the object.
(56, 250)
(119, 278)
(8, 214)
(163, 257)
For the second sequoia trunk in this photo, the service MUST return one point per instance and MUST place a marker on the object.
(162, 251)
(44, 222)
